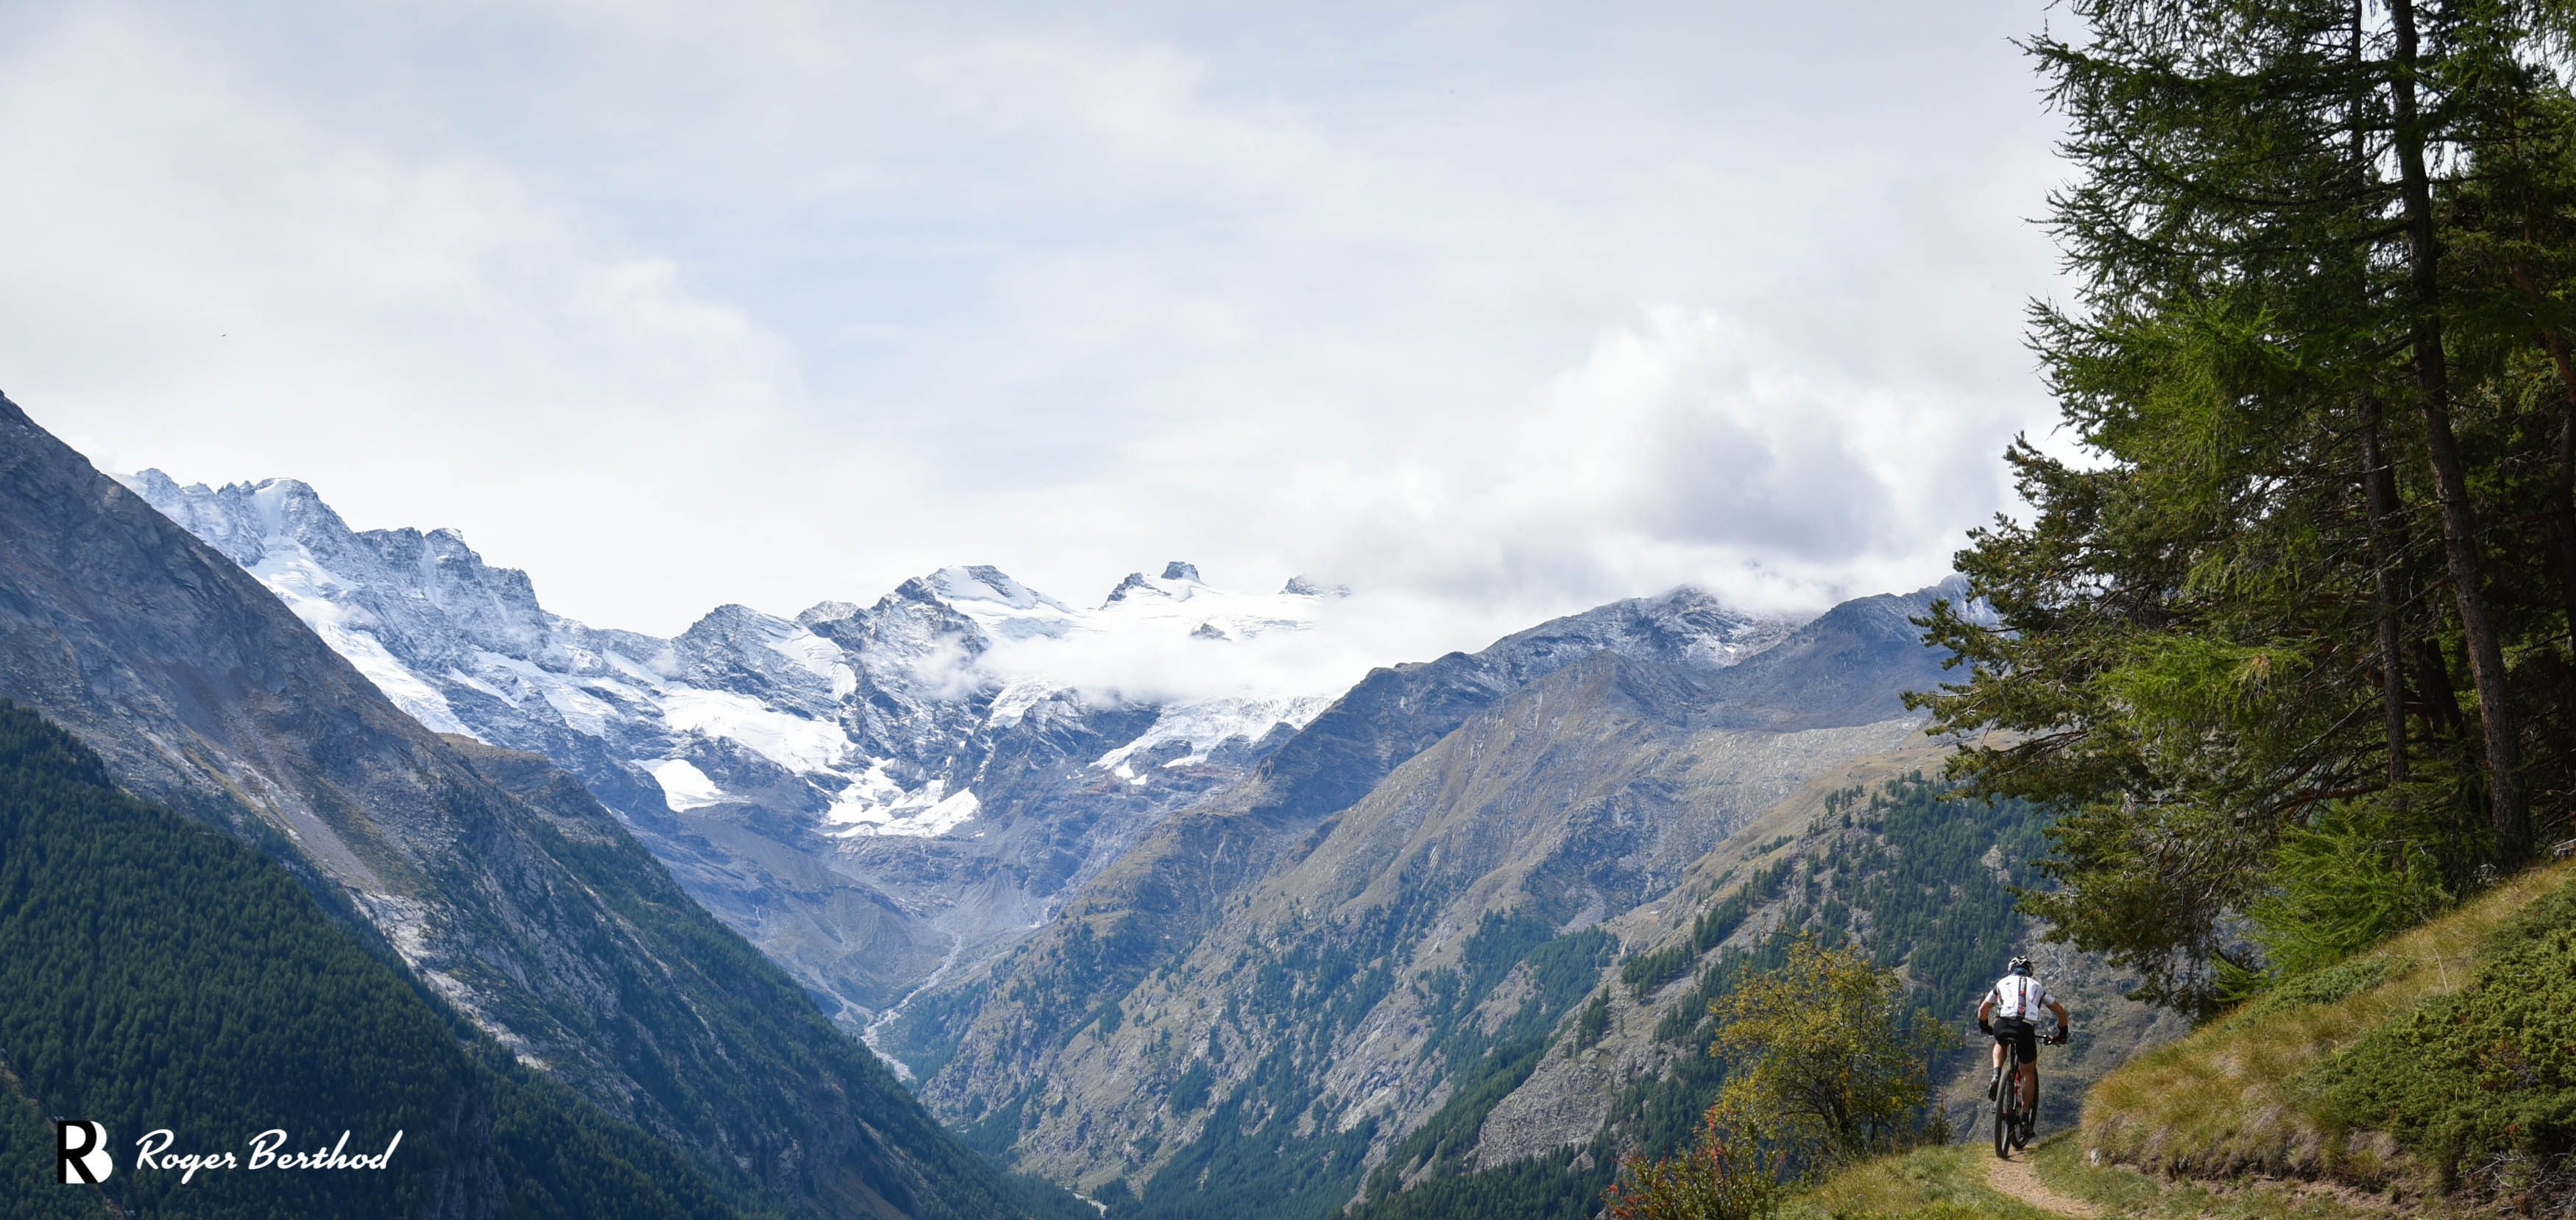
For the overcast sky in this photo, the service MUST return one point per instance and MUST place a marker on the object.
(1492, 311)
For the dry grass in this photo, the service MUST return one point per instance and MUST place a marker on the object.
(2124, 1193)
(2231, 1099)
(1946, 1183)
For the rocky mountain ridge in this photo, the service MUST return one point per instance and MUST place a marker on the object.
(1371, 942)
(501, 886)
(852, 788)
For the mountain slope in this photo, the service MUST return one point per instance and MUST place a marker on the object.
(1287, 986)
(1389, 716)
(545, 923)
(155, 974)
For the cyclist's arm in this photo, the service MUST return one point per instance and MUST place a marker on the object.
(2060, 1010)
(1985, 1008)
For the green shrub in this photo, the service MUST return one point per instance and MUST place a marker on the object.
(2486, 1072)
(2344, 979)
(2362, 872)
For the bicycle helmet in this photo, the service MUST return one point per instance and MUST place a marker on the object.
(2020, 965)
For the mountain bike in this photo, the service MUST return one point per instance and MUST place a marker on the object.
(2010, 1118)
(2008, 1101)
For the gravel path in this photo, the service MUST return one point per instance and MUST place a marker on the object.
(2016, 1178)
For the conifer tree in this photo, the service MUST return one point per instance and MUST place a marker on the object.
(2242, 616)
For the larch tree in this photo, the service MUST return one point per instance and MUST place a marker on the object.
(2232, 637)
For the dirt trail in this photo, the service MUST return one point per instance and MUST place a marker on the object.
(2016, 1178)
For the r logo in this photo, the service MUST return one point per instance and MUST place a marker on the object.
(80, 1153)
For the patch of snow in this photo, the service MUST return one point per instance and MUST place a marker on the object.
(875, 805)
(684, 787)
(1205, 725)
(637, 670)
(1302, 586)
(790, 740)
(585, 712)
(306, 586)
(819, 657)
(1186, 607)
(1003, 607)
(1014, 701)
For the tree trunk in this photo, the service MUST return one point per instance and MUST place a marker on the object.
(2379, 485)
(2512, 818)
(2441, 699)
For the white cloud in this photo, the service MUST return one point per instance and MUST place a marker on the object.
(1676, 452)
(1493, 312)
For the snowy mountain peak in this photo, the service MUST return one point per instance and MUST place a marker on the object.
(1133, 585)
(1179, 582)
(1300, 586)
(867, 791)
(827, 612)
(986, 583)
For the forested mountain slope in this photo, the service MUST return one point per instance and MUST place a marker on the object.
(544, 922)
(156, 974)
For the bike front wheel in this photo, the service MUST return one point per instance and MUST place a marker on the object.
(2004, 1116)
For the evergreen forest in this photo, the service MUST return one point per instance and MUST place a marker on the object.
(2289, 635)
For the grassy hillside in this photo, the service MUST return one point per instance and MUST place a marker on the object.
(2442, 1062)
(2434, 1075)
(1946, 1183)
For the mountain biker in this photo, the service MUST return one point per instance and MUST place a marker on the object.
(2009, 1013)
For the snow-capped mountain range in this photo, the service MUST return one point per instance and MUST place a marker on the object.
(820, 733)
(873, 795)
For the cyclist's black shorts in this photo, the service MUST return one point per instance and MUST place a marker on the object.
(2021, 1033)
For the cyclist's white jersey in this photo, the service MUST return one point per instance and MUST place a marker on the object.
(2019, 997)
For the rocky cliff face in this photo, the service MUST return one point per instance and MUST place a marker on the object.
(509, 892)
(870, 794)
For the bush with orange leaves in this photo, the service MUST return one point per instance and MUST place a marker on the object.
(1726, 1176)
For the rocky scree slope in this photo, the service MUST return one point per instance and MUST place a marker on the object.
(1380, 932)
(515, 898)
(863, 792)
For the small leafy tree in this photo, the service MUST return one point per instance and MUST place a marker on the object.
(1724, 1177)
(1823, 1056)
